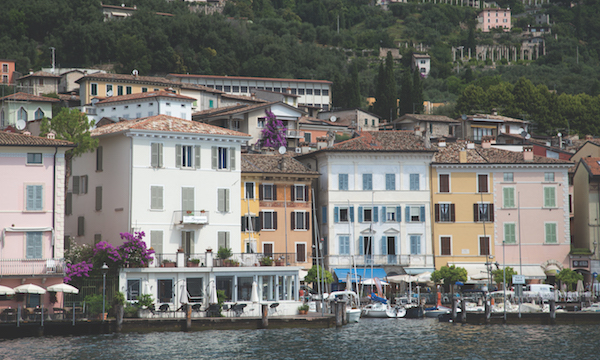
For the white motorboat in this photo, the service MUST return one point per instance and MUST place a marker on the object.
(352, 310)
(375, 310)
(435, 312)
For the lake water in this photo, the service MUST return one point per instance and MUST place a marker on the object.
(369, 339)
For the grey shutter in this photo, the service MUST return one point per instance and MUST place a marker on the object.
(30, 197)
(84, 184)
(76, 185)
(422, 217)
(307, 220)
(375, 214)
(197, 157)
(99, 158)
(192, 240)
(226, 200)
(243, 222)
(214, 154)
(156, 195)
(80, 226)
(293, 220)
(293, 193)
(399, 213)
(178, 156)
(187, 198)
(154, 155)
(232, 158)
(306, 193)
(221, 200)
(156, 241)
(69, 204)
(261, 219)
(39, 197)
(160, 155)
(98, 198)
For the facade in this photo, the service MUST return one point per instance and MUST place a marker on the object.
(421, 62)
(492, 18)
(356, 119)
(374, 203)
(481, 197)
(277, 210)
(32, 171)
(26, 107)
(313, 130)
(7, 71)
(436, 126)
(139, 105)
(310, 92)
(475, 127)
(39, 83)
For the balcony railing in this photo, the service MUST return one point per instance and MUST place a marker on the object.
(32, 267)
(290, 133)
(237, 259)
(191, 217)
(365, 260)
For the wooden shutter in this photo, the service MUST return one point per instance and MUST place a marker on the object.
(98, 198)
(375, 214)
(293, 193)
(243, 222)
(306, 193)
(475, 212)
(360, 214)
(232, 153)
(76, 185)
(300, 252)
(274, 220)
(197, 156)
(445, 246)
(99, 158)
(452, 213)
(484, 245)
(437, 212)
(80, 226)
(268, 249)
(307, 220)
(260, 191)
(154, 155)
(422, 216)
(444, 183)
(274, 191)
(399, 213)
(491, 212)
(214, 155)
(178, 155)
(483, 183)
(293, 220)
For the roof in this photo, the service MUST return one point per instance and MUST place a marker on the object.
(68, 97)
(13, 139)
(248, 78)
(275, 164)
(40, 74)
(493, 117)
(393, 140)
(200, 87)
(165, 123)
(146, 95)
(592, 165)
(315, 121)
(478, 155)
(21, 96)
(425, 117)
(243, 97)
(232, 110)
(421, 56)
(129, 78)
(276, 92)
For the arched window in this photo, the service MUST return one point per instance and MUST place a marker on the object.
(39, 114)
(22, 114)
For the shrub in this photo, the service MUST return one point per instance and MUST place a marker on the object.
(94, 304)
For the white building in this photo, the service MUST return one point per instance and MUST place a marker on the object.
(374, 203)
(423, 63)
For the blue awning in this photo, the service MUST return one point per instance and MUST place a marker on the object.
(361, 274)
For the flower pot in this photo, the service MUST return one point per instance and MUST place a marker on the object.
(302, 312)
(192, 264)
(279, 263)
(169, 264)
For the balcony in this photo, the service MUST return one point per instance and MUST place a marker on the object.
(236, 260)
(380, 260)
(10, 267)
(296, 134)
(191, 217)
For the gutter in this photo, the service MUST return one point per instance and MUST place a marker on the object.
(54, 202)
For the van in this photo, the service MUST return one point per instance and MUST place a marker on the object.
(544, 291)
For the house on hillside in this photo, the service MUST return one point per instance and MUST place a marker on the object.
(7, 71)
(492, 18)
(24, 107)
(435, 125)
(38, 83)
(475, 127)
(356, 119)
(421, 62)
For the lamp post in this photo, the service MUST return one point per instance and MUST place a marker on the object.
(104, 271)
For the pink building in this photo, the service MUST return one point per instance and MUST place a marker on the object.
(531, 201)
(32, 173)
(494, 18)
(7, 70)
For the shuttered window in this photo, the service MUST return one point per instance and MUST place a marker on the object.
(484, 245)
(301, 252)
(414, 182)
(508, 197)
(69, 204)
(223, 200)
(223, 239)
(344, 245)
(34, 245)
(76, 185)
(551, 237)
(482, 183)
(157, 155)
(415, 244)
(99, 164)
(367, 181)
(80, 226)
(187, 198)
(509, 233)
(390, 182)
(445, 245)
(156, 241)
(343, 181)
(444, 183)
(156, 197)
(35, 197)
(549, 197)
(98, 198)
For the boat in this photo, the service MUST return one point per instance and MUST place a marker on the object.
(380, 308)
(352, 310)
(414, 312)
(436, 311)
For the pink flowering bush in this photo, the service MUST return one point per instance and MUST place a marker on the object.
(134, 252)
(78, 270)
(273, 135)
(106, 253)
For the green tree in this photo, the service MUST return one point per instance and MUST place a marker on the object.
(390, 87)
(569, 277)
(498, 276)
(449, 275)
(474, 98)
(380, 94)
(71, 125)
(353, 88)
(317, 273)
(417, 92)
(406, 90)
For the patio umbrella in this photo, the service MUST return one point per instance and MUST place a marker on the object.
(580, 288)
(372, 282)
(29, 289)
(183, 299)
(213, 293)
(64, 288)
(5, 290)
(254, 296)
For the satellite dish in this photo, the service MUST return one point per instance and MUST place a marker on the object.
(559, 134)
(282, 150)
(135, 72)
(21, 124)
(527, 136)
(109, 93)
(464, 116)
(332, 118)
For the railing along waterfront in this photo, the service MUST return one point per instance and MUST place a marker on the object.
(365, 260)
(32, 266)
(236, 259)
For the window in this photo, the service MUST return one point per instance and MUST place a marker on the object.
(482, 183)
(415, 213)
(80, 226)
(34, 158)
(344, 241)
(250, 223)
(187, 156)
(97, 238)
(69, 204)
(549, 177)
(510, 233)
(444, 183)
(227, 88)
(249, 186)
(39, 114)
(414, 181)
(444, 213)
(300, 220)
(219, 87)
(267, 192)
(268, 220)
(551, 237)
(307, 137)
(365, 246)
(317, 92)
(223, 200)
(225, 284)
(244, 89)
(484, 245)
(309, 91)
(120, 90)
(211, 104)
(194, 288)
(415, 244)
(223, 239)
(479, 133)
(367, 214)
(445, 248)
(300, 252)
(187, 199)
(128, 90)
(300, 193)
(98, 198)
(390, 181)
(5, 68)
(392, 213)
(508, 199)
(22, 114)
(508, 177)
(35, 197)
(268, 249)
(133, 289)
(99, 158)
(367, 181)
(223, 158)
(343, 181)
(156, 197)
(483, 212)
(109, 90)
(300, 91)
(144, 90)
(34, 245)
(165, 290)
(156, 157)
(261, 122)
(94, 89)
(156, 241)
(549, 197)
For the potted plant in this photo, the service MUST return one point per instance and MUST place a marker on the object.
(303, 309)
(266, 261)
(193, 262)
(280, 261)
(223, 254)
(168, 263)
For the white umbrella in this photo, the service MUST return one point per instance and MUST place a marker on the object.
(64, 288)
(580, 288)
(254, 296)
(5, 290)
(372, 282)
(183, 299)
(29, 289)
(213, 293)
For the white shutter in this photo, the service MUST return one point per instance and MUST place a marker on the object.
(178, 156)
(214, 156)
(197, 157)
(232, 158)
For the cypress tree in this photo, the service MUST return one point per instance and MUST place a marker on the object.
(380, 95)
(417, 92)
(353, 88)
(406, 94)
(390, 88)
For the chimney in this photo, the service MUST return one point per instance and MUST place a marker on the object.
(321, 142)
(418, 131)
(442, 143)
(528, 153)
(487, 141)
(462, 156)
(50, 136)
(494, 111)
(470, 145)
(27, 133)
(589, 137)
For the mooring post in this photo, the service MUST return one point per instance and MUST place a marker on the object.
(188, 317)
(454, 300)
(338, 314)
(463, 312)
(552, 312)
(343, 311)
(488, 311)
(265, 316)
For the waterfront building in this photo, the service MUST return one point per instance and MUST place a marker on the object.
(495, 207)
(475, 127)
(32, 173)
(373, 201)
(25, 107)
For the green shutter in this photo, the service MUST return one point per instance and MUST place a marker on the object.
(551, 233)
(98, 198)
(232, 158)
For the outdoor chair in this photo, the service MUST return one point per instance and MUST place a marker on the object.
(274, 307)
(238, 309)
(197, 307)
(212, 310)
(227, 307)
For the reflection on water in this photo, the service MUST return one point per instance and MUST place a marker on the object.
(368, 339)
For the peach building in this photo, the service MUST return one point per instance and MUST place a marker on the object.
(489, 19)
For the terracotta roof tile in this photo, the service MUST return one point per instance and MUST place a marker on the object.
(244, 98)
(277, 164)
(165, 123)
(248, 78)
(39, 74)
(494, 117)
(21, 96)
(130, 78)
(450, 155)
(146, 95)
(592, 164)
(13, 139)
(230, 110)
(200, 87)
(425, 117)
(315, 121)
(394, 140)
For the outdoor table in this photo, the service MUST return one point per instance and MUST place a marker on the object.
(58, 312)
(8, 314)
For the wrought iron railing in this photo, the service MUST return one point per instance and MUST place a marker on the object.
(362, 260)
(190, 217)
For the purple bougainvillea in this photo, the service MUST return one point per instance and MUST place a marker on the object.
(105, 252)
(134, 252)
(78, 270)
(273, 135)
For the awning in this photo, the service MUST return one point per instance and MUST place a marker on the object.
(361, 273)
(476, 272)
(531, 271)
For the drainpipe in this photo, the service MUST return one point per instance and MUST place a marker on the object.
(54, 202)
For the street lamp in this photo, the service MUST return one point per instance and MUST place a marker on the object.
(104, 271)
